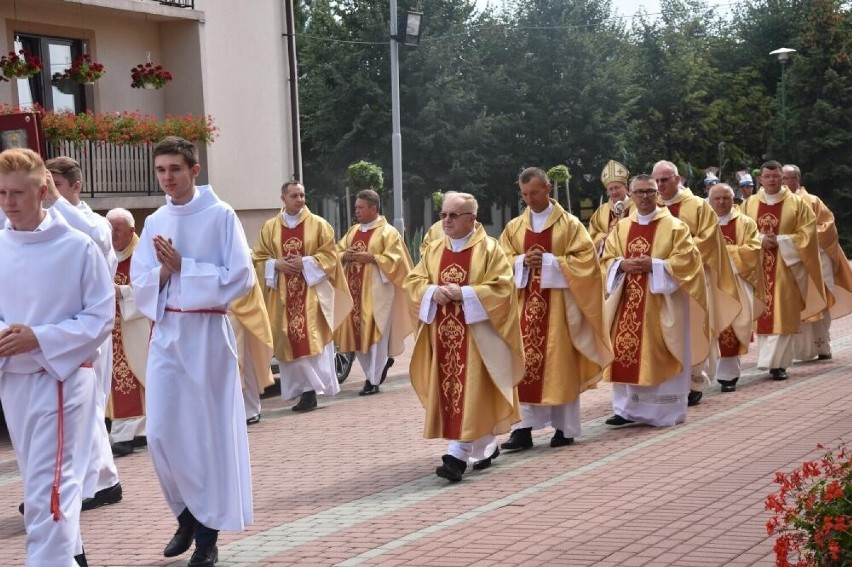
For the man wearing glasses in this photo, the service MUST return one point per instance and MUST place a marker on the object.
(656, 312)
(723, 300)
(560, 292)
(468, 356)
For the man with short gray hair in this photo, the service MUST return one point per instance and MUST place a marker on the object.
(126, 403)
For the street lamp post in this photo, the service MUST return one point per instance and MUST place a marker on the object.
(409, 36)
(783, 55)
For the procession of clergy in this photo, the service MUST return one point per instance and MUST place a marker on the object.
(169, 334)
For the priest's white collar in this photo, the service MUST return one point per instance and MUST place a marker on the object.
(676, 195)
(458, 244)
(365, 226)
(646, 219)
(725, 219)
(543, 214)
(290, 220)
(774, 199)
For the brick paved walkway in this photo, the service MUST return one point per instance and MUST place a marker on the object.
(352, 484)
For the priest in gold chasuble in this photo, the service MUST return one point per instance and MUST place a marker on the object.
(126, 402)
(468, 355)
(614, 178)
(814, 340)
(723, 301)
(560, 293)
(791, 269)
(743, 244)
(656, 312)
(306, 296)
(253, 334)
(376, 262)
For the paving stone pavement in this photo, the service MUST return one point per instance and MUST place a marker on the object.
(353, 483)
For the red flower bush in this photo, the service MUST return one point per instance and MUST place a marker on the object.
(149, 74)
(120, 127)
(812, 512)
(20, 65)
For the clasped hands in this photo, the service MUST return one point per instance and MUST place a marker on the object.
(445, 294)
(352, 255)
(533, 258)
(290, 265)
(167, 254)
(769, 242)
(17, 339)
(637, 265)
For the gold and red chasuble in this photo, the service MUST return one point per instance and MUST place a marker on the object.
(674, 209)
(127, 396)
(627, 342)
(768, 221)
(535, 315)
(451, 344)
(293, 244)
(355, 279)
(729, 344)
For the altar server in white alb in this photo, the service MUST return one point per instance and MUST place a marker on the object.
(102, 485)
(191, 262)
(48, 340)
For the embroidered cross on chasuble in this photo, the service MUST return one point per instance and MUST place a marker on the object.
(127, 398)
(293, 244)
(768, 221)
(355, 278)
(629, 332)
(452, 337)
(729, 344)
(535, 317)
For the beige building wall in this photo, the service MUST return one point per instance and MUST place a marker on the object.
(228, 60)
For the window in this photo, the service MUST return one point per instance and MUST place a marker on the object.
(56, 54)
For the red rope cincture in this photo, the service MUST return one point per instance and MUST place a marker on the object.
(55, 509)
(207, 311)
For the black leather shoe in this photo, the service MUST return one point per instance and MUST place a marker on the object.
(21, 508)
(388, 364)
(307, 401)
(204, 556)
(486, 462)
(559, 439)
(111, 495)
(824, 357)
(81, 560)
(122, 448)
(253, 419)
(778, 373)
(729, 385)
(616, 420)
(694, 398)
(140, 441)
(368, 389)
(452, 469)
(182, 539)
(519, 440)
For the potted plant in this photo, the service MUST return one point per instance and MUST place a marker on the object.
(149, 76)
(20, 65)
(84, 70)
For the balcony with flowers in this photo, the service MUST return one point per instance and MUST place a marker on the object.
(114, 149)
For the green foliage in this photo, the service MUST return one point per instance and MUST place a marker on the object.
(559, 173)
(564, 81)
(365, 175)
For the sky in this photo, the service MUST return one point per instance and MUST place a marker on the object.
(626, 8)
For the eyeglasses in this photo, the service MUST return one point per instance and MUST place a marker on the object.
(645, 192)
(452, 216)
(663, 179)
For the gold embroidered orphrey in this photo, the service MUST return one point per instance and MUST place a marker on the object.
(627, 337)
(123, 379)
(296, 292)
(450, 334)
(535, 312)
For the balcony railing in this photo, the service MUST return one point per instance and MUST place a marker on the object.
(178, 3)
(111, 170)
